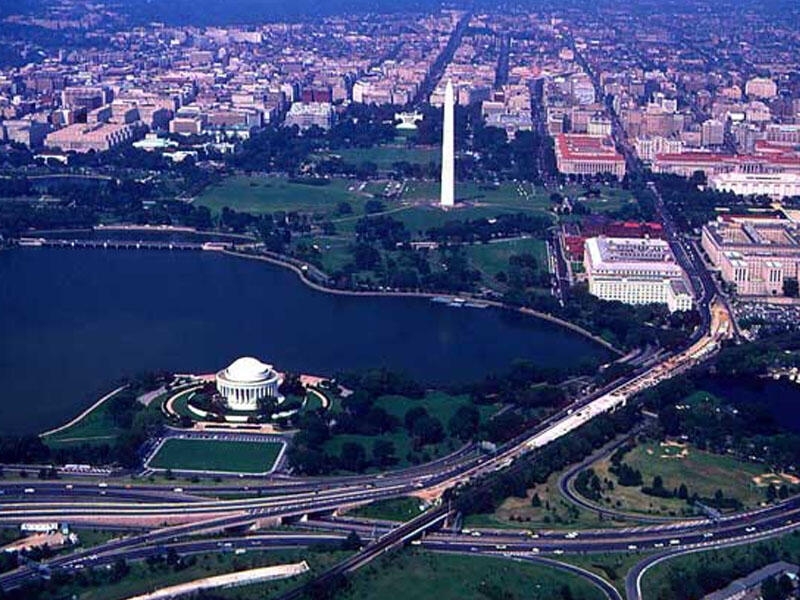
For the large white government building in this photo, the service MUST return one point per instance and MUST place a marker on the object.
(756, 253)
(246, 381)
(635, 271)
(775, 185)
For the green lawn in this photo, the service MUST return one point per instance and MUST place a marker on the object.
(612, 566)
(142, 579)
(386, 156)
(702, 472)
(394, 509)
(270, 193)
(426, 575)
(686, 574)
(97, 427)
(554, 512)
(508, 194)
(438, 404)
(215, 455)
(490, 259)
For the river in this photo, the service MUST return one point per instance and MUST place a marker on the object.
(74, 321)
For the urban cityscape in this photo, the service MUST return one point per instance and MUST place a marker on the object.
(353, 300)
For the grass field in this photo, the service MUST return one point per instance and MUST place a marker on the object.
(490, 259)
(141, 579)
(657, 582)
(612, 566)
(555, 512)
(385, 156)
(216, 455)
(702, 472)
(394, 509)
(97, 427)
(425, 575)
(271, 193)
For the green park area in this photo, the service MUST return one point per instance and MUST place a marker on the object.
(103, 424)
(543, 507)
(259, 194)
(600, 199)
(385, 156)
(681, 464)
(426, 575)
(180, 454)
(698, 574)
(492, 258)
(393, 509)
(143, 577)
(438, 405)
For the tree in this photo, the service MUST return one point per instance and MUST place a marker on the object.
(383, 453)
(353, 456)
(464, 422)
(427, 430)
(683, 492)
(352, 542)
(772, 493)
(119, 569)
(412, 415)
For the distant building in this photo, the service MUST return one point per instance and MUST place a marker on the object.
(24, 131)
(761, 87)
(774, 185)
(307, 114)
(635, 271)
(756, 254)
(588, 155)
(153, 142)
(746, 587)
(408, 120)
(648, 147)
(712, 133)
(83, 137)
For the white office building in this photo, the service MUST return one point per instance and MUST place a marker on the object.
(774, 185)
(635, 271)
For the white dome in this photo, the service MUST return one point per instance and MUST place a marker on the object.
(248, 369)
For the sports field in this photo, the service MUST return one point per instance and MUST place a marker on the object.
(215, 455)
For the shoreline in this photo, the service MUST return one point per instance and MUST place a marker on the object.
(377, 293)
(82, 415)
(287, 263)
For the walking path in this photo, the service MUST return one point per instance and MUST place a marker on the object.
(84, 413)
(229, 580)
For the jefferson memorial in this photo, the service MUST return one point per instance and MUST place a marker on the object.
(246, 381)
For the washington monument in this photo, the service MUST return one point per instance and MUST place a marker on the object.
(448, 150)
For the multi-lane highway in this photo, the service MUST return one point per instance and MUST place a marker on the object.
(205, 509)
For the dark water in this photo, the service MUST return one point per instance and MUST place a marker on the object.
(72, 321)
(779, 398)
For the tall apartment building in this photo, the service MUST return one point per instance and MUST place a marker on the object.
(635, 271)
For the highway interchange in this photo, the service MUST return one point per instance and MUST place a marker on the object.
(159, 516)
